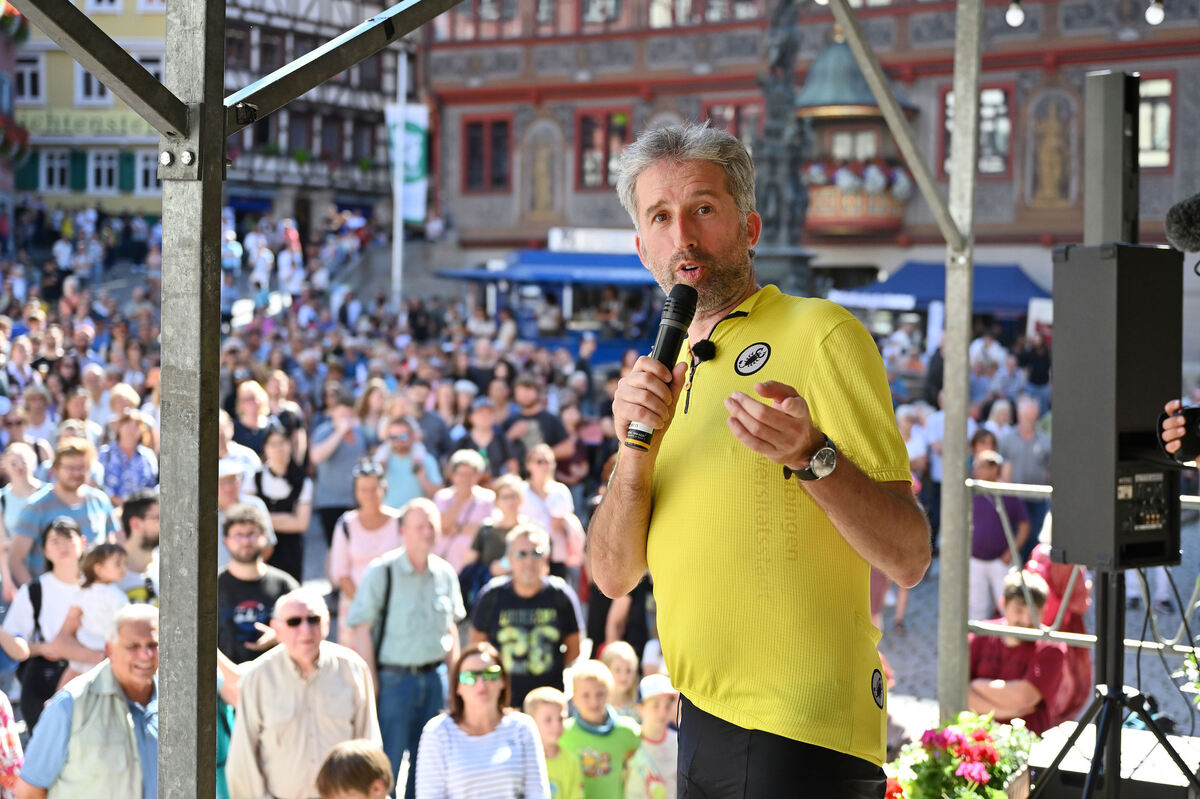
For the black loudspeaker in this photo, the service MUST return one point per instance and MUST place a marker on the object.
(1118, 349)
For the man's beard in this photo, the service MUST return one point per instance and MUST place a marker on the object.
(252, 557)
(149, 544)
(727, 274)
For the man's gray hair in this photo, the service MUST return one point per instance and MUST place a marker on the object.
(687, 142)
(303, 596)
(536, 534)
(128, 615)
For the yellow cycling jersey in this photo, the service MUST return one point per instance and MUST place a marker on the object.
(763, 608)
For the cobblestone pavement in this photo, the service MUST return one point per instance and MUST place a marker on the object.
(912, 652)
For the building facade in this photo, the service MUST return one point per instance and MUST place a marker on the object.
(534, 99)
(326, 148)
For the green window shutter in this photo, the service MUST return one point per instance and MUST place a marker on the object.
(27, 175)
(125, 172)
(78, 179)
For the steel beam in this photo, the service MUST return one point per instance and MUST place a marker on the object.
(273, 91)
(71, 30)
(897, 122)
(191, 330)
(953, 664)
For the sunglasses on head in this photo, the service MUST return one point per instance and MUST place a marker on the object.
(490, 674)
(295, 621)
(522, 554)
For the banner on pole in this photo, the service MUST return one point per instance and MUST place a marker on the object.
(408, 136)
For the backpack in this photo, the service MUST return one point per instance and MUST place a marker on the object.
(39, 677)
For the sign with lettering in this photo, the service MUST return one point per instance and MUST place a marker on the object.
(45, 122)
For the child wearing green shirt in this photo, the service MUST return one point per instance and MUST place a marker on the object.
(548, 708)
(601, 740)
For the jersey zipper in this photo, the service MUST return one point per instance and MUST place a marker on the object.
(687, 386)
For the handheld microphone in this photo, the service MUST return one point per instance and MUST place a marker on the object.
(1183, 225)
(677, 314)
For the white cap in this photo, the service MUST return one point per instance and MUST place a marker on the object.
(655, 685)
(231, 466)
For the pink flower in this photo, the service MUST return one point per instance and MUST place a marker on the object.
(933, 739)
(953, 737)
(975, 772)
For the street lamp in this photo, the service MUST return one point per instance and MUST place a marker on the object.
(1154, 13)
(1015, 15)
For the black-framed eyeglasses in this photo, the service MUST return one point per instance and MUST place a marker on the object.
(522, 554)
(312, 620)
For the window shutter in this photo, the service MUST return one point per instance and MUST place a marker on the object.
(27, 175)
(79, 164)
(126, 172)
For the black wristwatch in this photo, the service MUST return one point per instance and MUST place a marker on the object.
(821, 464)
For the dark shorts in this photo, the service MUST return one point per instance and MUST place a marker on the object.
(719, 760)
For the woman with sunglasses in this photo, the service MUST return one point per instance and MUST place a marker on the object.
(480, 749)
(360, 536)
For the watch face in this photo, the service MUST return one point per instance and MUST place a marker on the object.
(824, 461)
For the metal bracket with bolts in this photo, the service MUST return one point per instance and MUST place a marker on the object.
(178, 155)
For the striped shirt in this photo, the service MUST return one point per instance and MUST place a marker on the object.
(506, 763)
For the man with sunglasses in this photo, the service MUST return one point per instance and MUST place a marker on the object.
(531, 617)
(296, 703)
(411, 469)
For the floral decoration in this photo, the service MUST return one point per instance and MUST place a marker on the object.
(972, 756)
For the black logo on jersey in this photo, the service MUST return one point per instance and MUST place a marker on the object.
(877, 688)
(752, 358)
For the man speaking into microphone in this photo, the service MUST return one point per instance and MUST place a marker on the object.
(774, 480)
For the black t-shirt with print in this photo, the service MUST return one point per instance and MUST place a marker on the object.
(241, 603)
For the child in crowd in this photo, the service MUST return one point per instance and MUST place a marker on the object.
(98, 601)
(355, 769)
(548, 707)
(652, 768)
(622, 661)
(602, 740)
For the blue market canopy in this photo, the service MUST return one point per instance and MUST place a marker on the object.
(576, 268)
(1002, 289)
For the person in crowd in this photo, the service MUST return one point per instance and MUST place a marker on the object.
(652, 769)
(140, 523)
(38, 612)
(1035, 360)
(19, 463)
(12, 755)
(229, 449)
(690, 191)
(128, 461)
(532, 618)
(464, 505)
(548, 708)
(78, 406)
(602, 740)
(410, 467)
(549, 503)
(16, 428)
(70, 496)
(252, 422)
(231, 490)
(435, 433)
(486, 558)
(480, 747)
(356, 769)
(337, 444)
(98, 395)
(41, 421)
(483, 436)
(1011, 678)
(121, 397)
(361, 536)
(327, 691)
(622, 662)
(287, 491)
(99, 736)
(287, 413)
(534, 425)
(991, 558)
(99, 600)
(1026, 451)
(370, 407)
(405, 649)
(247, 589)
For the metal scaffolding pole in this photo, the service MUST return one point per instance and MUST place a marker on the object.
(956, 220)
(953, 663)
(192, 170)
